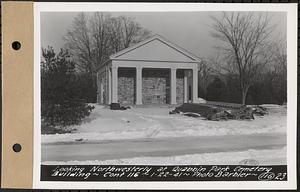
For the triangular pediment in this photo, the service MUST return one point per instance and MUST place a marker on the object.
(155, 49)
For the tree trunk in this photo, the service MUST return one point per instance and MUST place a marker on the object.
(244, 95)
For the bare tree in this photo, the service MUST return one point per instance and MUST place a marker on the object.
(79, 42)
(279, 70)
(94, 37)
(279, 61)
(126, 32)
(100, 27)
(116, 35)
(245, 38)
(132, 32)
(204, 75)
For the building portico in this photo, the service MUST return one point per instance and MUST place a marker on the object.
(153, 71)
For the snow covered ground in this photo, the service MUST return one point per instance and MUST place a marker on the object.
(155, 122)
(262, 157)
(149, 135)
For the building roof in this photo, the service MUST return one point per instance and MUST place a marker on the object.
(156, 48)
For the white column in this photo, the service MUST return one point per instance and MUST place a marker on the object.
(109, 94)
(195, 85)
(173, 86)
(138, 90)
(114, 72)
(185, 86)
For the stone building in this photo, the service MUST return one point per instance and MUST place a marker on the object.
(154, 71)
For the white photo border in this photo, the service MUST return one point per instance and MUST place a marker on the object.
(290, 9)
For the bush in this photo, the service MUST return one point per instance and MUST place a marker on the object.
(270, 88)
(61, 99)
(66, 113)
(216, 90)
(86, 86)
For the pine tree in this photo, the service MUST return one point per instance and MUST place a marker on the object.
(61, 102)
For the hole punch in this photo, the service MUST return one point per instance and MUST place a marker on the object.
(16, 45)
(17, 147)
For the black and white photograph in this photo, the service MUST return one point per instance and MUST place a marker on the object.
(191, 94)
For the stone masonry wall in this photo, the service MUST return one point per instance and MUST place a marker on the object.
(156, 86)
(179, 86)
(126, 85)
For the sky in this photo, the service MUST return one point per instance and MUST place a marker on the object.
(189, 30)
